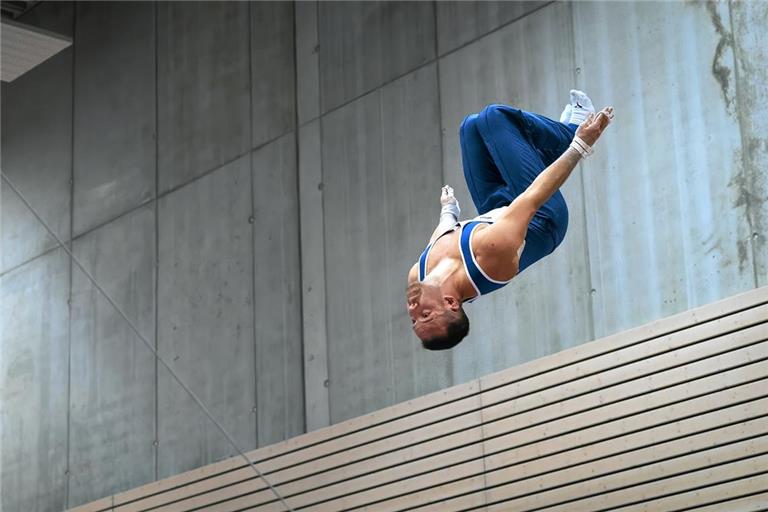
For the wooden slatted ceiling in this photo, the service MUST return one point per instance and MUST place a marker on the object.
(667, 416)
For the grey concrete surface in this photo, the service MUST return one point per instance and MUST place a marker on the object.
(381, 165)
(34, 348)
(112, 379)
(277, 301)
(669, 213)
(315, 333)
(460, 22)
(205, 318)
(273, 82)
(666, 228)
(37, 157)
(546, 309)
(203, 87)
(114, 149)
(365, 44)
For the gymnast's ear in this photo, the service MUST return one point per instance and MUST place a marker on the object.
(451, 303)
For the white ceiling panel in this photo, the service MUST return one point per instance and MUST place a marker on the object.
(24, 47)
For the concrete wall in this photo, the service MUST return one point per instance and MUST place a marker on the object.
(251, 183)
(164, 140)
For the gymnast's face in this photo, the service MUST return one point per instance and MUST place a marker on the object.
(427, 310)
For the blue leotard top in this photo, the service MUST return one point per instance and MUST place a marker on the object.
(480, 281)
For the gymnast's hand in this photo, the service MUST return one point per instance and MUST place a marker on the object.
(446, 196)
(592, 127)
(450, 211)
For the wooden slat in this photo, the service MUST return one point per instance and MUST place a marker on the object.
(102, 505)
(562, 499)
(708, 476)
(637, 360)
(637, 455)
(644, 409)
(462, 462)
(523, 461)
(726, 496)
(555, 405)
(436, 494)
(644, 333)
(755, 503)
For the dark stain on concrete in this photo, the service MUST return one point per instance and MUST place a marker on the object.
(748, 181)
(740, 183)
(743, 252)
(720, 71)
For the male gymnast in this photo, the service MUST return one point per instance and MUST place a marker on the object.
(514, 164)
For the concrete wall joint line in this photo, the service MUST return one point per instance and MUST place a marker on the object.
(443, 177)
(298, 218)
(225, 164)
(255, 414)
(30, 260)
(68, 471)
(420, 66)
(577, 83)
(311, 223)
(322, 203)
(156, 266)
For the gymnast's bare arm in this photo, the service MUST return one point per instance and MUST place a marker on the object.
(496, 246)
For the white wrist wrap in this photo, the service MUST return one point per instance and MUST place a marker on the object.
(452, 209)
(582, 147)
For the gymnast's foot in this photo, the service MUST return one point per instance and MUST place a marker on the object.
(581, 107)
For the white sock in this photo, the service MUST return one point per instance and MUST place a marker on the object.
(565, 117)
(581, 107)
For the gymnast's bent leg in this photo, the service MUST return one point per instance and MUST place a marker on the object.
(503, 151)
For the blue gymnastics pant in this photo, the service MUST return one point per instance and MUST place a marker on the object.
(503, 149)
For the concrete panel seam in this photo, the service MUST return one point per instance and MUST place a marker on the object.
(325, 273)
(390, 344)
(419, 67)
(30, 260)
(133, 209)
(588, 269)
(156, 207)
(439, 98)
(298, 207)
(67, 471)
(440, 129)
(224, 164)
(255, 405)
